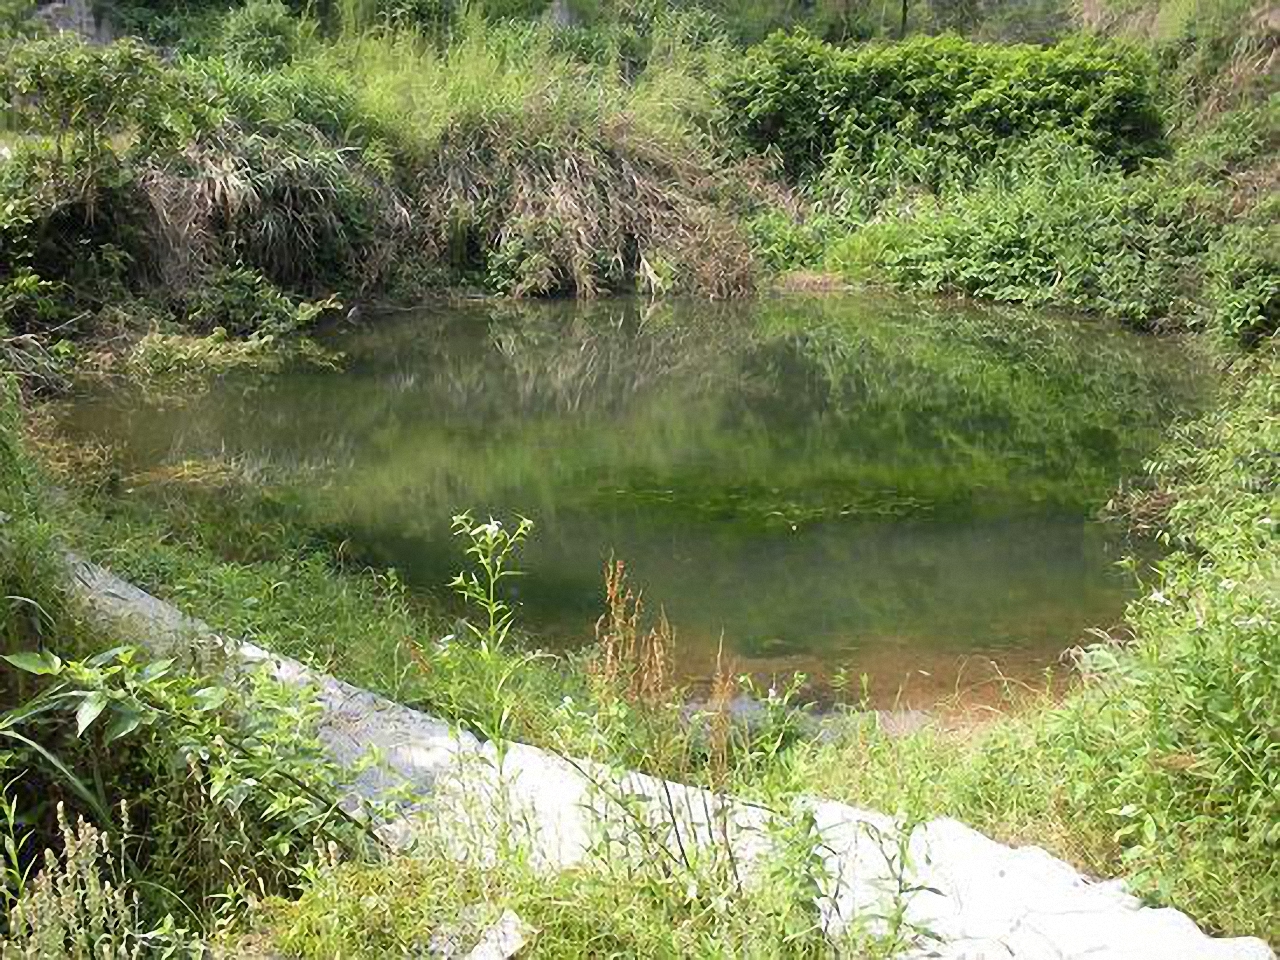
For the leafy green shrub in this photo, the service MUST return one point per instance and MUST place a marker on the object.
(244, 302)
(84, 222)
(1051, 229)
(224, 779)
(261, 34)
(782, 243)
(808, 100)
(1243, 283)
(76, 193)
(26, 300)
(83, 94)
(16, 18)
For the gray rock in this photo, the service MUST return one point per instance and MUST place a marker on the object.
(503, 940)
(76, 16)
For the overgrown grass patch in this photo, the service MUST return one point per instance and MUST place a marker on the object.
(373, 161)
(592, 910)
(1054, 230)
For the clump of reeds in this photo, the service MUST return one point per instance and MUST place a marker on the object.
(580, 212)
(545, 175)
(630, 661)
(306, 212)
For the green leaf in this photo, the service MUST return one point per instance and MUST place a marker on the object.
(90, 709)
(106, 656)
(155, 670)
(123, 724)
(42, 663)
(211, 698)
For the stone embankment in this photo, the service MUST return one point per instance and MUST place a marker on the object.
(978, 899)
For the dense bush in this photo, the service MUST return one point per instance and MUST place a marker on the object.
(245, 303)
(1243, 271)
(19, 283)
(958, 100)
(782, 243)
(262, 34)
(1053, 229)
(87, 94)
(16, 19)
(79, 226)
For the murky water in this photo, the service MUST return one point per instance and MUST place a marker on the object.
(845, 484)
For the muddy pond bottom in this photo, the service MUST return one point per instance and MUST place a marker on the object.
(843, 486)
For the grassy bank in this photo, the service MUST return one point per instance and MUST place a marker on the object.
(1162, 766)
(276, 165)
(143, 799)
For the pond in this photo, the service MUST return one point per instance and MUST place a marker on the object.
(842, 485)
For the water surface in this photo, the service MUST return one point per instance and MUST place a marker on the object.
(838, 485)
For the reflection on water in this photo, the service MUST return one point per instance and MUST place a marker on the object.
(873, 484)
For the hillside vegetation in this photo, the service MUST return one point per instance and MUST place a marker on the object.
(274, 162)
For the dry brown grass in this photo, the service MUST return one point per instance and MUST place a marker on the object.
(541, 207)
(1144, 510)
(724, 686)
(1249, 76)
(288, 208)
(630, 661)
(582, 212)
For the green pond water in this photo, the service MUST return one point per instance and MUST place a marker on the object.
(847, 483)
